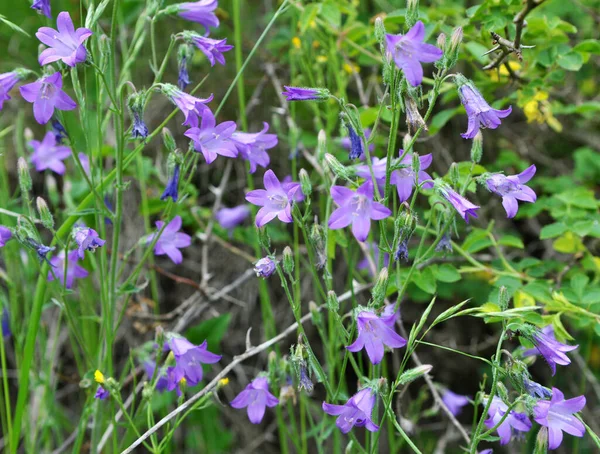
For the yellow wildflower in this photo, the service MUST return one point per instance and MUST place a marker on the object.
(296, 42)
(99, 377)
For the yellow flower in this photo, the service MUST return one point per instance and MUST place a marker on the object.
(183, 381)
(316, 44)
(351, 68)
(296, 42)
(538, 109)
(99, 377)
(322, 59)
(495, 74)
(223, 382)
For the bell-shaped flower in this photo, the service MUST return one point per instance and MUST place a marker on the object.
(557, 415)
(512, 188)
(171, 240)
(356, 412)
(66, 44)
(46, 94)
(375, 333)
(275, 199)
(213, 140)
(515, 421)
(255, 397)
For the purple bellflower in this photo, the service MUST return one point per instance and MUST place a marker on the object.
(73, 270)
(557, 416)
(480, 113)
(191, 106)
(171, 240)
(551, 349)
(460, 204)
(454, 402)
(211, 139)
(356, 208)
(445, 244)
(201, 12)
(46, 94)
(356, 412)
(66, 44)
(5, 235)
(60, 133)
(256, 397)
(101, 393)
(265, 267)
(404, 179)
(512, 188)
(401, 252)
(88, 240)
(373, 333)
(189, 359)
(228, 218)
(305, 94)
(183, 78)
(514, 421)
(347, 144)
(172, 188)
(275, 199)
(409, 51)
(535, 389)
(48, 155)
(7, 82)
(357, 146)
(212, 48)
(253, 146)
(42, 7)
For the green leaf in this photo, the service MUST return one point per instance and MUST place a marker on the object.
(553, 230)
(512, 241)
(330, 11)
(441, 118)
(573, 61)
(211, 330)
(591, 46)
(308, 16)
(559, 328)
(447, 273)
(425, 280)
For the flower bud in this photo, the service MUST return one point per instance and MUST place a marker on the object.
(264, 239)
(316, 314)
(105, 46)
(412, 12)
(416, 163)
(541, 441)
(477, 148)
(147, 391)
(169, 140)
(28, 135)
(305, 183)
(452, 53)
(380, 287)
(441, 41)
(265, 267)
(412, 374)
(333, 303)
(317, 239)
(136, 103)
(406, 140)
(44, 212)
(454, 174)
(336, 166)
(321, 145)
(503, 298)
(24, 176)
(380, 31)
(288, 261)
(414, 120)
(159, 336)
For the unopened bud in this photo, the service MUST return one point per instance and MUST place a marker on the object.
(412, 12)
(406, 140)
(44, 212)
(24, 176)
(380, 287)
(316, 314)
(321, 145)
(503, 298)
(454, 48)
(336, 166)
(541, 441)
(105, 46)
(169, 140)
(272, 358)
(477, 148)
(305, 183)
(333, 304)
(317, 239)
(379, 31)
(28, 134)
(412, 374)
(454, 174)
(288, 261)
(159, 336)
(147, 391)
(416, 163)
(264, 239)
(441, 41)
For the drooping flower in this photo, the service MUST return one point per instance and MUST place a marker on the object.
(402, 250)
(40, 249)
(275, 200)
(42, 7)
(191, 106)
(347, 144)
(305, 94)
(374, 333)
(183, 77)
(512, 188)
(5, 235)
(171, 240)
(228, 218)
(253, 146)
(514, 421)
(212, 48)
(7, 82)
(356, 412)
(201, 12)
(404, 179)
(557, 416)
(66, 44)
(480, 113)
(60, 133)
(454, 402)
(356, 208)
(535, 389)
(73, 270)
(409, 51)
(460, 204)
(172, 188)
(445, 244)
(256, 397)
(211, 139)
(357, 146)
(6, 332)
(46, 94)
(551, 349)
(88, 240)
(189, 359)
(48, 155)
(265, 267)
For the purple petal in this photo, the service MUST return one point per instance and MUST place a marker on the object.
(511, 206)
